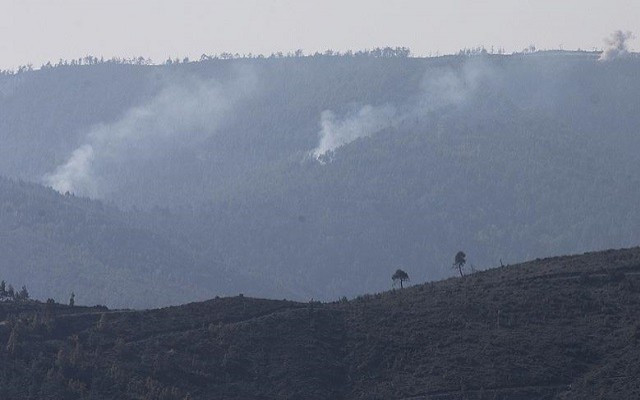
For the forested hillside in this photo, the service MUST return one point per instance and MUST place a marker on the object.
(59, 244)
(559, 328)
(318, 176)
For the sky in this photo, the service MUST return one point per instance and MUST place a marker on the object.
(36, 31)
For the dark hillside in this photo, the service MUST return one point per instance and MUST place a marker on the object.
(57, 244)
(557, 328)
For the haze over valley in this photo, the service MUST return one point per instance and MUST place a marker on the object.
(313, 176)
(319, 199)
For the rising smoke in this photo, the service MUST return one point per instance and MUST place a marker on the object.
(186, 111)
(446, 86)
(440, 88)
(365, 122)
(617, 46)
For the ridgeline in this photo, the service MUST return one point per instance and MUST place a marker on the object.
(556, 328)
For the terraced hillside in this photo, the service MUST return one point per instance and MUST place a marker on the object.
(557, 328)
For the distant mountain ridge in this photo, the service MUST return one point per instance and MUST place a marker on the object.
(504, 157)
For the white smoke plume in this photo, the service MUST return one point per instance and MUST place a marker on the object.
(617, 46)
(441, 88)
(338, 132)
(76, 173)
(185, 111)
(446, 86)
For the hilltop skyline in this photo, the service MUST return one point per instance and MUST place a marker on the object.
(36, 31)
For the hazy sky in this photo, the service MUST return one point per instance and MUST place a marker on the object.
(39, 30)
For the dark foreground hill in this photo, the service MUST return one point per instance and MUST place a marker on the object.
(558, 328)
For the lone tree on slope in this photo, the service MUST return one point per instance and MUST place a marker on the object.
(459, 261)
(400, 276)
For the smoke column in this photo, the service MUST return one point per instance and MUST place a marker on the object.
(617, 46)
(338, 132)
(439, 89)
(185, 111)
